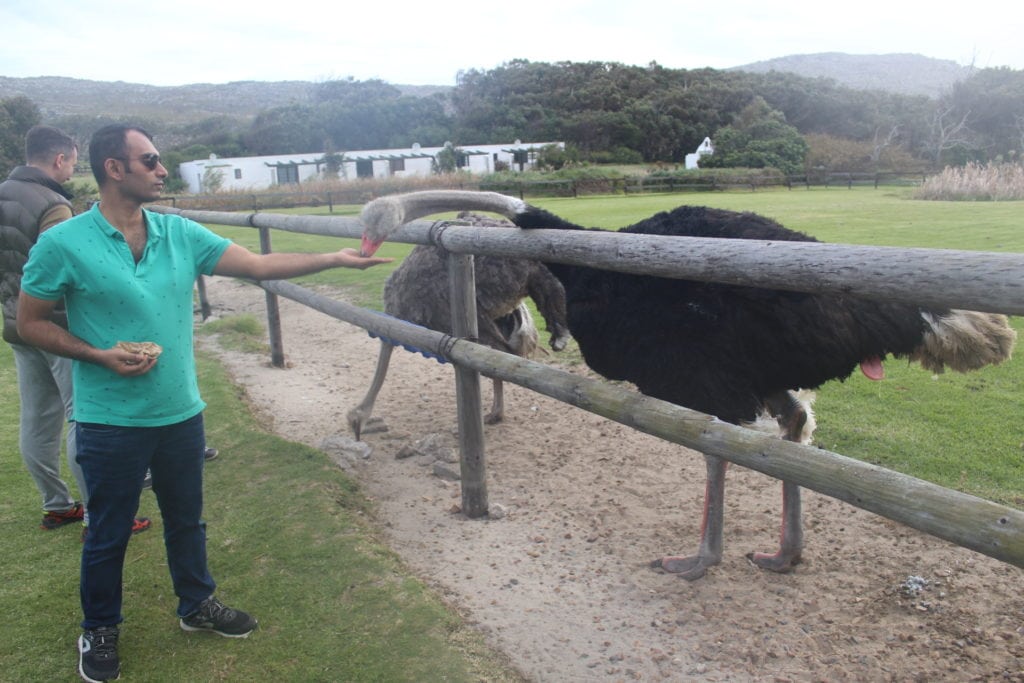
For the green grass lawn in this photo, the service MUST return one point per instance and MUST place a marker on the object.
(291, 537)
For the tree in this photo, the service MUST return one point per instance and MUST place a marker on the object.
(334, 165)
(350, 92)
(758, 138)
(17, 115)
(827, 153)
(447, 160)
(284, 130)
(989, 102)
(948, 130)
(552, 157)
(213, 180)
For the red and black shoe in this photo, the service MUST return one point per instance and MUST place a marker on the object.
(55, 520)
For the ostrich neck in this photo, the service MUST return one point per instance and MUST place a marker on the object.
(383, 215)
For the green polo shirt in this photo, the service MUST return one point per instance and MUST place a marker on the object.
(110, 298)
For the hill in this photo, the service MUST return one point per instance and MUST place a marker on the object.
(907, 74)
(58, 97)
(77, 104)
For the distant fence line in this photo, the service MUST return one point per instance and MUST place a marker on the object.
(579, 187)
(969, 521)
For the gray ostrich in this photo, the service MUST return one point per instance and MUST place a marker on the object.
(417, 291)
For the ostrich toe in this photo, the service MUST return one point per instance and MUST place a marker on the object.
(690, 568)
(781, 562)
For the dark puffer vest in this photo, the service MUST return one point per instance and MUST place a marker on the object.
(25, 197)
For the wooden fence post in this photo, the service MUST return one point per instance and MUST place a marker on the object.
(204, 300)
(462, 286)
(273, 311)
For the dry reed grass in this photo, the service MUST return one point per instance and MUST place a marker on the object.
(975, 182)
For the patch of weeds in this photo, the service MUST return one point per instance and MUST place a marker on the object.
(243, 332)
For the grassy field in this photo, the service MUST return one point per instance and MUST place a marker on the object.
(291, 538)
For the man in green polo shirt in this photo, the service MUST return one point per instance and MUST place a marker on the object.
(126, 275)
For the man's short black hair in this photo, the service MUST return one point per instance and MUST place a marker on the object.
(109, 143)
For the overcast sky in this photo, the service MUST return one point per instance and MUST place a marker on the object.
(428, 42)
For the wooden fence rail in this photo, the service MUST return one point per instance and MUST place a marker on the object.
(979, 281)
(973, 280)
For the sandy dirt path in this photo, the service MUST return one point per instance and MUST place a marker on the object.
(560, 582)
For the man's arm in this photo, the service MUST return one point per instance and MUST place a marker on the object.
(36, 328)
(58, 214)
(237, 261)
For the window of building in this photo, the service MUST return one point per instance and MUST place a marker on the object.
(238, 174)
(287, 174)
(396, 165)
(364, 168)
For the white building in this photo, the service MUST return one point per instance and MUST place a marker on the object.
(693, 160)
(258, 173)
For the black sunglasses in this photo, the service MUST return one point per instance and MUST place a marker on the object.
(149, 160)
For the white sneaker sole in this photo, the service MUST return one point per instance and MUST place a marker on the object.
(194, 629)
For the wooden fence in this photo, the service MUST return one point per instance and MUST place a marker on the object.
(970, 280)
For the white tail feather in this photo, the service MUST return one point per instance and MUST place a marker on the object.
(964, 341)
(766, 423)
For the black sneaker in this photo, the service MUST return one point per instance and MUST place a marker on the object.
(97, 654)
(213, 615)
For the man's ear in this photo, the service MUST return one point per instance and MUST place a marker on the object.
(114, 169)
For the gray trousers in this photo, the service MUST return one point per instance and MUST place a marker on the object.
(44, 384)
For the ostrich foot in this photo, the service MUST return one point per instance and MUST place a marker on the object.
(374, 425)
(690, 568)
(493, 418)
(780, 562)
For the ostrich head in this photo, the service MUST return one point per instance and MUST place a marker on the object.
(383, 216)
(380, 218)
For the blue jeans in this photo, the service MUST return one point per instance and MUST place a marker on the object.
(114, 461)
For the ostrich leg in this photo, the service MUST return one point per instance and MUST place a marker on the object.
(359, 417)
(791, 542)
(710, 551)
(497, 413)
(792, 417)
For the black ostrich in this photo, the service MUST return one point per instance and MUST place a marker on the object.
(725, 350)
(417, 291)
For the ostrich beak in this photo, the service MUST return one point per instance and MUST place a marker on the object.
(369, 247)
